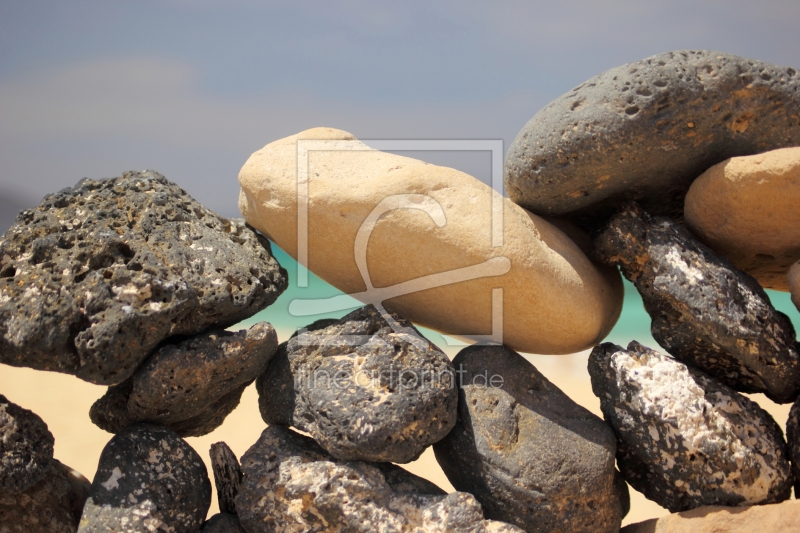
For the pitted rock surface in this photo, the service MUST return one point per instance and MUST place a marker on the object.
(227, 476)
(292, 485)
(189, 385)
(363, 390)
(26, 448)
(148, 479)
(528, 453)
(684, 439)
(793, 440)
(110, 268)
(705, 312)
(52, 505)
(222, 523)
(643, 131)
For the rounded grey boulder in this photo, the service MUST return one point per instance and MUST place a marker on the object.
(148, 478)
(368, 387)
(644, 131)
(26, 448)
(683, 439)
(530, 455)
(96, 276)
(189, 385)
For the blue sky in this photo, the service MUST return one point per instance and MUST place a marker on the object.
(191, 88)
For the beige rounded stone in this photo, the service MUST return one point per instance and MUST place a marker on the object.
(748, 209)
(793, 280)
(554, 299)
(778, 517)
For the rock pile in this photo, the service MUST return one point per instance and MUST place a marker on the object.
(130, 283)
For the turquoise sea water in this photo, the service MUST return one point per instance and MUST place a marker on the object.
(633, 324)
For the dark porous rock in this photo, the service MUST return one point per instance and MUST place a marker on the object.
(189, 385)
(369, 387)
(684, 439)
(53, 505)
(644, 131)
(93, 279)
(227, 476)
(530, 455)
(148, 479)
(222, 523)
(292, 485)
(793, 439)
(26, 447)
(705, 312)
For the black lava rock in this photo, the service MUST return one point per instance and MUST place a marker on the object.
(227, 476)
(148, 477)
(529, 454)
(363, 389)
(291, 484)
(26, 448)
(52, 505)
(93, 279)
(683, 439)
(189, 385)
(705, 312)
(644, 131)
(793, 439)
(222, 523)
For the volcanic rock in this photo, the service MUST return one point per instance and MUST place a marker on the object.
(528, 453)
(227, 476)
(93, 279)
(148, 478)
(748, 209)
(368, 388)
(222, 523)
(643, 131)
(292, 484)
(434, 243)
(784, 517)
(793, 440)
(52, 505)
(189, 385)
(26, 448)
(684, 439)
(705, 312)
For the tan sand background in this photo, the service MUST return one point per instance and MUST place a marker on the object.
(63, 402)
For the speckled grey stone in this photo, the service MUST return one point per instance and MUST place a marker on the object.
(93, 279)
(293, 486)
(26, 447)
(684, 439)
(222, 523)
(52, 505)
(793, 440)
(364, 391)
(227, 476)
(644, 131)
(189, 385)
(148, 479)
(705, 312)
(528, 453)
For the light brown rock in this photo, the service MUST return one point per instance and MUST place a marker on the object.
(555, 300)
(748, 209)
(793, 280)
(783, 517)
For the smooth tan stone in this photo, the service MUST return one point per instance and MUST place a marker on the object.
(748, 209)
(783, 517)
(793, 280)
(555, 300)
